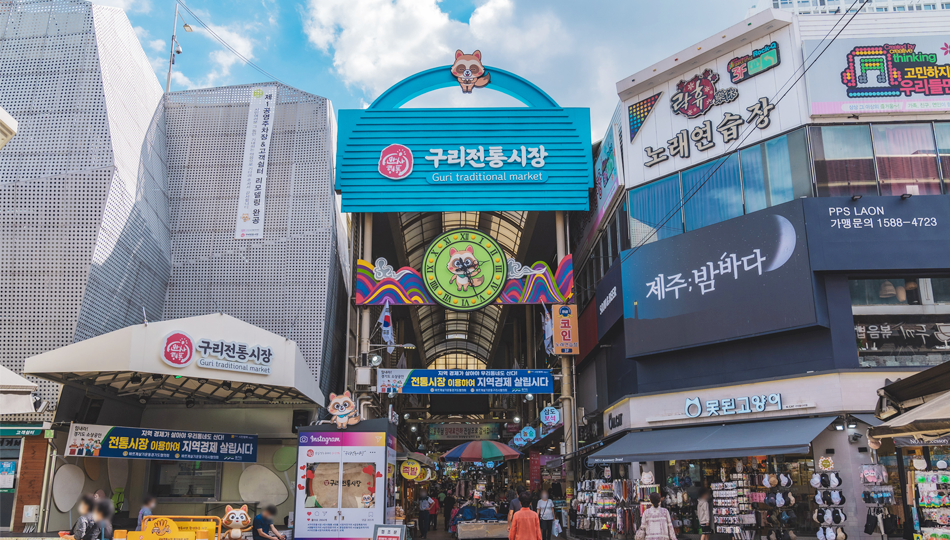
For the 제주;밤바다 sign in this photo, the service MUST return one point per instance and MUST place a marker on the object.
(393, 159)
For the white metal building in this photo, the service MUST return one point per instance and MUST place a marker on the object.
(83, 185)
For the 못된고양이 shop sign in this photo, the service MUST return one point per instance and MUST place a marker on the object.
(392, 159)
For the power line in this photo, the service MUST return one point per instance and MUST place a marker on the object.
(227, 46)
(750, 127)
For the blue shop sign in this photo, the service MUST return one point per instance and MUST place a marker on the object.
(151, 443)
(465, 381)
(435, 160)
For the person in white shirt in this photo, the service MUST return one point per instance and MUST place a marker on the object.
(546, 515)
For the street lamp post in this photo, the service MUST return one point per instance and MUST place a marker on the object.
(175, 47)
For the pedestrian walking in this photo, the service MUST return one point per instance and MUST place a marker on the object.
(546, 515)
(448, 504)
(703, 513)
(655, 523)
(424, 518)
(434, 514)
(525, 525)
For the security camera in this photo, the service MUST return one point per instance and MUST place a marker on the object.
(854, 437)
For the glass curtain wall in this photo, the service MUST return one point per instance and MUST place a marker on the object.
(844, 160)
(906, 159)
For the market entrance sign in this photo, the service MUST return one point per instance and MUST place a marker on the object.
(465, 381)
(392, 159)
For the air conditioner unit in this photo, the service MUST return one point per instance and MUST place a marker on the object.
(364, 377)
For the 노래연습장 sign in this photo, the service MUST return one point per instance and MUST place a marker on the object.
(151, 443)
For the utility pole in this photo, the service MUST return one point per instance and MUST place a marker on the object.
(566, 399)
(171, 54)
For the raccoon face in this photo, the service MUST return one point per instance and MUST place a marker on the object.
(342, 404)
(462, 263)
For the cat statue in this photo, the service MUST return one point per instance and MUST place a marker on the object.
(236, 522)
(343, 409)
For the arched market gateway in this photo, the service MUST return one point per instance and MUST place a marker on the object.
(461, 256)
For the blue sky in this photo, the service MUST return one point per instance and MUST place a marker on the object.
(352, 50)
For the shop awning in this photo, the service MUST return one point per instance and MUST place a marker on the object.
(927, 421)
(16, 393)
(868, 419)
(416, 456)
(210, 358)
(791, 436)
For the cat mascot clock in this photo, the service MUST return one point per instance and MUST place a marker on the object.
(464, 269)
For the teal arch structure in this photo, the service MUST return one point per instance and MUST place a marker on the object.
(441, 77)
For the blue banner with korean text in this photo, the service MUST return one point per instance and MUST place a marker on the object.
(150, 443)
(465, 381)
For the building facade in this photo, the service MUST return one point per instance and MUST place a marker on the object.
(763, 257)
(127, 208)
(84, 184)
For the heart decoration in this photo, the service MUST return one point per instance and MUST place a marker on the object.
(308, 513)
(302, 467)
(379, 475)
(303, 476)
(371, 489)
(368, 469)
(310, 475)
(301, 487)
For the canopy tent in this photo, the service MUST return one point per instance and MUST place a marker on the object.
(790, 436)
(16, 393)
(214, 363)
(928, 421)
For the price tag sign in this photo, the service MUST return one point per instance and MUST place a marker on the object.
(389, 532)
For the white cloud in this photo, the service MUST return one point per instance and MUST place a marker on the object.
(138, 6)
(223, 60)
(575, 51)
(156, 45)
(181, 82)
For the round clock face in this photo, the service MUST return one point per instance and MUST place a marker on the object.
(464, 269)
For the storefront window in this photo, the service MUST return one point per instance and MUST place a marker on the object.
(942, 130)
(184, 479)
(650, 206)
(719, 199)
(941, 290)
(776, 171)
(884, 292)
(844, 161)
(906, 159)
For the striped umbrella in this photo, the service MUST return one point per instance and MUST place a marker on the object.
(482, 451)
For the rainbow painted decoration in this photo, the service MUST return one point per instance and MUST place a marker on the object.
(405, 287)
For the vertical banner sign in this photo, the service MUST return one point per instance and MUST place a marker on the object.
(534, 459)
(566, 330)
(260, 122)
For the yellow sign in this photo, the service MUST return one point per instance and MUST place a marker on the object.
(410, 469)
(176, 528)
(160, 528)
